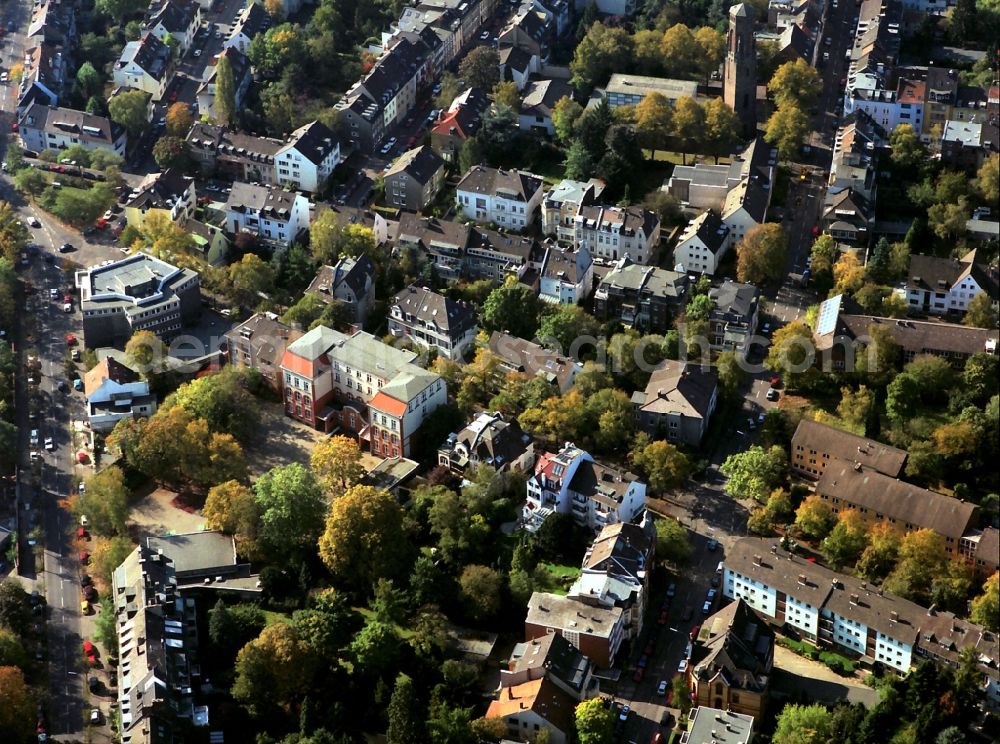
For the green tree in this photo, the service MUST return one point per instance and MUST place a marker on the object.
(291, 507)
(364, 539)
(88, 79)
(681, 51)
(376, 648)
(988, 179)
(15, 606)
(722, 127)
(273, 669)
(601, 51)
(578, 163)
(16, 721)
(565, 114)
(224, 401)
(791, 349)
(787, 130)
(754, 473)
(277, 49)
(964, 22)
(985, 608)
(30, 181)
(225, 92)
(249, 279)
(922, 561)
(128, 108)
(760, 255)
(480, 590)
(665, 466)
(848, 538)
(980, 312)
(405, 719)
(814, 518)
(731, 374)
(902, 398)
(480, 68)
(171, 152)
(232, 508)
(855, 406)
(803, 724)
(712, 49)
(796, 83)
(565, 325)
(777, 511)
(594, 722)
(119, 9)
(506, 94)
(512, 308)
(105, 502)
(672, 542)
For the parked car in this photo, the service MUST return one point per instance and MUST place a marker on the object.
(671, 589)
(706, 608)
(713, 544)
(682, 667)
(623, 716)
(661, 689)
(773, 394)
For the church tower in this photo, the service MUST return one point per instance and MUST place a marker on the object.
(739, 76)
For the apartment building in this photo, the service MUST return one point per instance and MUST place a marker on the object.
(702, 245)
(745, 208)
(570, 482)
(616, 572)
(43, 127)
(530, 707)
(489, 439)
(562, 203)
(44, 77)
(115, 392)
(496, 255)
(239, 63)
(259, 343)
(704, 724)
(508, 199)
(412, 182)
(276, 216)
(847, 216)
(229, 154)
(816, 445)
(144, 65)
(308, 157)
(849, 485)
(705, 186)
(399, 407)
(433, 321)
(611, 233)
(833, 609)
(177, 19)
(597, 632)
(733, 320)
(641, 297)
(565, 275)
(678, 402)
(137, 293)
(252, 20)
(461, 121)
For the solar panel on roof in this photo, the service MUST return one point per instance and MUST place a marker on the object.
(826, 322)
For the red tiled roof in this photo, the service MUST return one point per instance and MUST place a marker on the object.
(297, 365)
(387, 403)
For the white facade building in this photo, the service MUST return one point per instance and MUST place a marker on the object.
(508, 199)
(276, 216)
(308, 160)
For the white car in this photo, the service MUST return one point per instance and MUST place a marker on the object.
(218, 34)
(33, 222)
(682, 667)
(3, 77)
(75, 355)
(84, 522)
(34, 437)
(36, 456)
(49, 444)
(53, 294)
(197, 52)
(82, 488)
(67, 307)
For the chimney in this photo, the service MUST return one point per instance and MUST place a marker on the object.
(757, 560)
(894, 616)
(802, 579)
(854, 599)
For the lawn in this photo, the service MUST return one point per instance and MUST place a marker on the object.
(556, 578)
(271, 617)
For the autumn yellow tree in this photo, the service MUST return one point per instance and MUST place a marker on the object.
(760, 256)
(814, 518)
(336, 462)
(848, 274)
(274, 668)
(653, 121)
(179, 119)
(16, 713)
(230, 507)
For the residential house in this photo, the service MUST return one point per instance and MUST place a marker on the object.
(616, 572)
(242, 78)
(704, 724)
(54, 22)
(555, 658)
(518, 66)
(496, 255)
(847, 216)
(630, 90)
(530, 30)
(157, 643)
(611, 233)
(233, 155)
(259, 343)
(461, 121)
(641, 297)
(941, 93)
(733, 321)
(505, 198)
(828, 608)
(816, 445)
(570, 482)
(137, 293)
(745, 208)
(115, 392)
(981, 549)
(702, 245)
(275, 215)
(144, 65)
(42, 127)
(939, 286)
(491, 440)
(169, 194)
(597, 632)
(412, 182)
(400, 406)
(308, 157)
(566, 275)
(209, 240)
(855, 155)
(529, 707)
(252, 20)
(525, 357)
(176, 19)
(351, 281)
(433, 321)
(374, 221)
(443, 242)
(732, 661)
(44, 77)
(562, 203)
(678, 402)
(539, 101)
(705, 186)
(846, 484)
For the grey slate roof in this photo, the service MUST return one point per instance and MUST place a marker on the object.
(430, 307)
(709, 228)
(510, 184)
(849, 447)
(314, 140)
(420, 164)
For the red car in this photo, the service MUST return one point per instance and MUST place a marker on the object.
(775, 382)
(695, 631)
(84, 557)
(14, 127)
(637, 677)
(70, 339)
